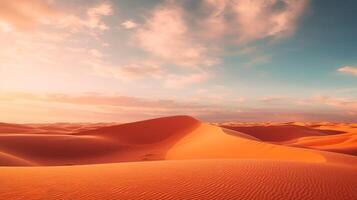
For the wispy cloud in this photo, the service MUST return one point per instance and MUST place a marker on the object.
(93, 18)
(25, 14)
(348, 104)
(113, 107)
(254, 19)
(348, 70)
(180, 81)
(129, 24)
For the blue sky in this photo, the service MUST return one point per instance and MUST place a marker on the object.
(218, 60)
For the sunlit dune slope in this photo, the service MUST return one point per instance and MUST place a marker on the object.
(209, 142)
(204, 179)
(342, 143)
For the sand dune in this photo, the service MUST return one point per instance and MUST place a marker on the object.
(279, 133)
(14, 128)
(326, 136)
(206, 142)
(170, 138)
(145, 140)
(343, 143)
(190, 160)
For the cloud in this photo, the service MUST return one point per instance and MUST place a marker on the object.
(273, 99)
(129, 72)
(25, 14)
(93, 18)
(129, 24)
(96, 53)
(175, 37)
(167, 37)
(95, 15)
(348, 104)
(256, 60)
(251, 20)
(172, 34)
(257, 19)
(180, 81)
(142, 70)
(146, 70)
(348, 70)
(112, 107)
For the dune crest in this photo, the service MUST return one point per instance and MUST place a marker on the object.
(144, 140)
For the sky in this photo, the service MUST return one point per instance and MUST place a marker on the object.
(217, 60)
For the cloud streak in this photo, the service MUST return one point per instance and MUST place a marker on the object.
(101, 107)
(25, 14)
(348, 70)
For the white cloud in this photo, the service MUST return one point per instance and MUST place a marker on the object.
(129, 24)
(96, 53)
(167, 37)
(348, 70)
(180, 81)
(93, 19)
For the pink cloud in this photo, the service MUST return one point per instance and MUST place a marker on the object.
(127, 72)
(24, 14)
(93, 18)
(167, 37)
(129, 24)
(252, 20)
(348, 70)
(180, 81)
(348, 104)
(142, 70)
(96, 53)
(28, 14)
(99, 107)
(257, 19)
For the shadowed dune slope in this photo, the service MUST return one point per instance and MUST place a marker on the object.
(14, 128)
(12, 160)
(148, 131)
(204, 179)
(279, 133)
(145, 140)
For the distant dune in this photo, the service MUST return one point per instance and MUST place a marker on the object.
(189, 160)
(279, 133)
(334, 137)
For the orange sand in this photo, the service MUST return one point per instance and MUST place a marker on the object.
(189, 160)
